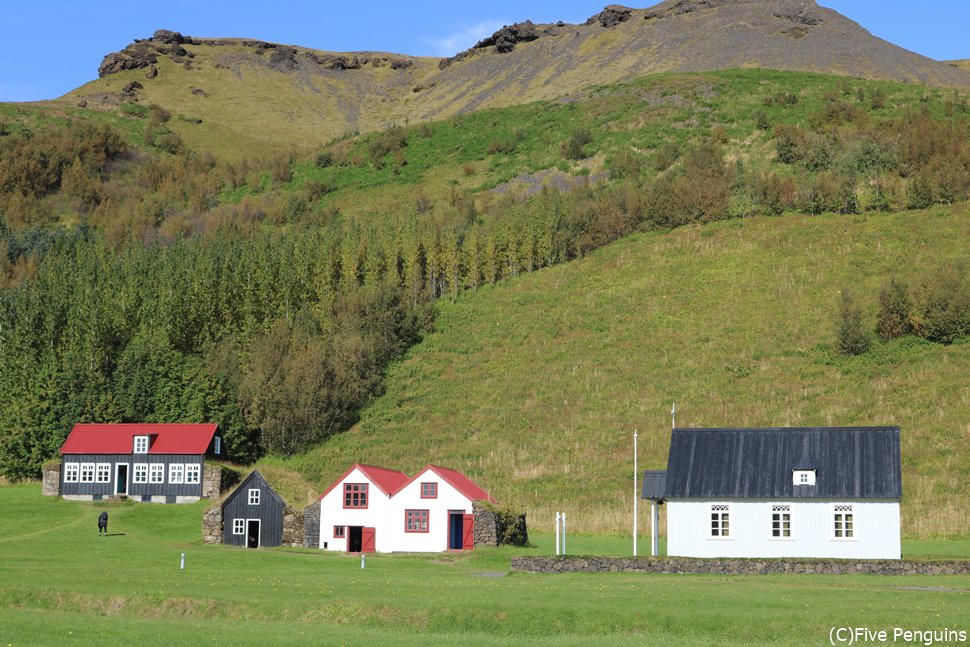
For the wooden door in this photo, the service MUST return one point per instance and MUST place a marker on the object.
(468, 532)
(367, 540)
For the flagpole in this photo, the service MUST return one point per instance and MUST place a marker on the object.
(635, 497)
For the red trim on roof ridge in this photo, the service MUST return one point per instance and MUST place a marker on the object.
(455, 479)
(379, 476)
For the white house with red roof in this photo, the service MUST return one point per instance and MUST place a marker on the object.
(162, 463)
(374, 509)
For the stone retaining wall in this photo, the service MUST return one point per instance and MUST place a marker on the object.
(492, 528)
(216, 480)
(293, 527)
(212, 525)
(51, 483)
(311, 525)
(671, 565)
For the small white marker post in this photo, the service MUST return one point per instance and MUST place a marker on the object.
(557, 533)
(182, 565)
(563, 533)
(362, 561)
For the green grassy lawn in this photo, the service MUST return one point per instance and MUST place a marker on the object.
(62, 584)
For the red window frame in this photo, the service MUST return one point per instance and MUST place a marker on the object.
(339, 532)
(429, 490)
(355, 496)
(416, 520)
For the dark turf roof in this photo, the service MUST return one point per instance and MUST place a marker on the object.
(654, 484)
(850, 463)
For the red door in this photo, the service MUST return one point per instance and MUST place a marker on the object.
(367, 540)
(468, 532)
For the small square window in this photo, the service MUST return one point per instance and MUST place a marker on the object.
(104, 473)
(141, 445)
(355, 495)
(141, 473)
(429, 490)
(254, 496)
(71, 472)
(239, 526)
(192, 473)
(803, 477)
(156, 473)
(338, 532)
(87, 472)
(176, 473)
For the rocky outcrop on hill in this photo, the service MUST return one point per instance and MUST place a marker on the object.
(506, 38)
(611, 16)
(145, 53)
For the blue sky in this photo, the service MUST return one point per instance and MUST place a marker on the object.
(48, 47)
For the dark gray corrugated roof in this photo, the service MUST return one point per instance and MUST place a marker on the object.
(654, 484)
(850, 462)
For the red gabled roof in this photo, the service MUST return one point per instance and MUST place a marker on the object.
(457, 480)
(118, 438)
(388, 481)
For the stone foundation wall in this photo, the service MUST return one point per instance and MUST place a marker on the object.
(491, 529)
(51, 483)
(293, 527)
(672, 565)
(311, 525)
(216, 480)
(212, 525)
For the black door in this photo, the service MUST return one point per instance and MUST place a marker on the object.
(454, 531)
(121, 486)
(355, 538)
(252, 533)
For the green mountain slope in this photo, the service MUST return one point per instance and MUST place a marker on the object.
(534, 387)
(240, 96)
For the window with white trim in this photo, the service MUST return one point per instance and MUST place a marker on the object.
(141, 445)
(176, 473)
(87, 472)
(156, 473)
(141, 473)
(843, 519)
(104, 473)
(781, 522)
(217, 445)
(803, 477)
(254, 496)
(71, 472)
(720, 520)
(239, 526)
(193, 473)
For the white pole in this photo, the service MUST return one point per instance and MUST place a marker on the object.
(635, 497)
(563, 533)
(654, 533)
(182, 563)
(557, 533)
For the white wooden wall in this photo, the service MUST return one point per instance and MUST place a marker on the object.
(333, 513)
(876, 530)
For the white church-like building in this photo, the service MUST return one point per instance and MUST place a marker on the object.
(820, 492)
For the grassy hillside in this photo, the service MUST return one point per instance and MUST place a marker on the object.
(534, 387)
(62, 584)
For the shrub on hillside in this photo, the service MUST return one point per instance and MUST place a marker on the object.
(575, 147)
(851, 335)
(895, 305)
(942, 309)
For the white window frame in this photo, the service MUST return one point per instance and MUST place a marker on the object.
(140, 445)
(72, 472)
(778, 513)
(87, 473)
(217, 445)
(102, 473)
(140, 473)
(176, 473)
(254, 496)
(239, 526)
(156, 473)
(719, 528)
(844, 522)
(803, 477)
(193, 473)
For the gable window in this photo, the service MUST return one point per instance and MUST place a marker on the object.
(720, 520)
(156, 473)
(192, 473)
(87, 472)
(71, 472)
(104, 473)
(429, 490)
(217, 445)
(781, 521)
(803, 477)
(415, 521)
(176, 472)
(843, 522)
(355, 495)
(338, 532)
(141, 445)
(141, 473)
(239, 526)
(254, 496)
